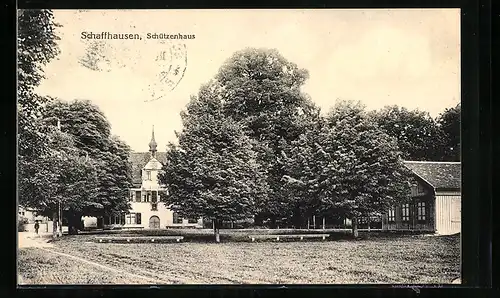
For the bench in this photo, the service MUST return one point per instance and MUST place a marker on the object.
(138, 239)
(288, 236)
(132, 227)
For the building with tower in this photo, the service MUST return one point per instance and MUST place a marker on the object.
(145, 196)
(147, 210)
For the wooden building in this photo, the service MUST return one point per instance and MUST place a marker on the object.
(435, 200)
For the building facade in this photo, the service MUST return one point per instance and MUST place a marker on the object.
(147, 210)
(435, 200)
(27, 218)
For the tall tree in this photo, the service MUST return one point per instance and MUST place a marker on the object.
(92, 134)
(307, 175)
(350, 167)
(63, 177)
(370, 175)
(261, 90)
(213, 171)
(36, 47)
(449, 122)
(418, 134)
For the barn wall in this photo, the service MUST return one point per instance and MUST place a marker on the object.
(448, 213)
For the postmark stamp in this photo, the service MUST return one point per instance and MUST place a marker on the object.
(171, 62)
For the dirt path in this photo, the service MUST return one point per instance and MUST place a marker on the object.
(149, 279)
(27, 239)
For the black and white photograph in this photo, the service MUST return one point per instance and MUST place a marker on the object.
(238, 146)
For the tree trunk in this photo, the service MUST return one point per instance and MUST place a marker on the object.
(273, 222)
(74, 223)
(216, 230)
(54, 225)
(258, 220)
(100, 222)
(355, 227)
(323, 222)
(60, 221)
(314, 221)
(297, 221)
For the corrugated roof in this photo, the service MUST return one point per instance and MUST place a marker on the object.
(139, 160)
(441, 175)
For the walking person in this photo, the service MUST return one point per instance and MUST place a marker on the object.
(37, 226)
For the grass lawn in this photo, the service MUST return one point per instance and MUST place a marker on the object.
(39, 267)
(375, 259)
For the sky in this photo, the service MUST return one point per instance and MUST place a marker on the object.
(409, 58)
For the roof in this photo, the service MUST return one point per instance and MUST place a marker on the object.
(440, 175)
(139, 160)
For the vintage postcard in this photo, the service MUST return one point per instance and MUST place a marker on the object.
(165, 147)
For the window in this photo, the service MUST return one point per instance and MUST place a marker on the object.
(148, 196)
(392, 215)
(405, 212)
(154, 196)
(192, 220)
(130, 219)
(116, 220)
(176, 218)
(133, 218)
(421, 211)
(148, 175)
(131, 199)
(138, 195)
(154, 206)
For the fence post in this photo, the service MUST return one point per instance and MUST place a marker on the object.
(323, 222)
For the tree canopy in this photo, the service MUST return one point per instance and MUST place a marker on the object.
(347, 166)
(36, 46)
(92, 134)
(260, 89)
(252, 143)
(418, 135)
(450, 124)
(370, 173)
(213, 172)
(63, 174)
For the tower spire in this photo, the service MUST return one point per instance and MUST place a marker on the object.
(152, 143)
